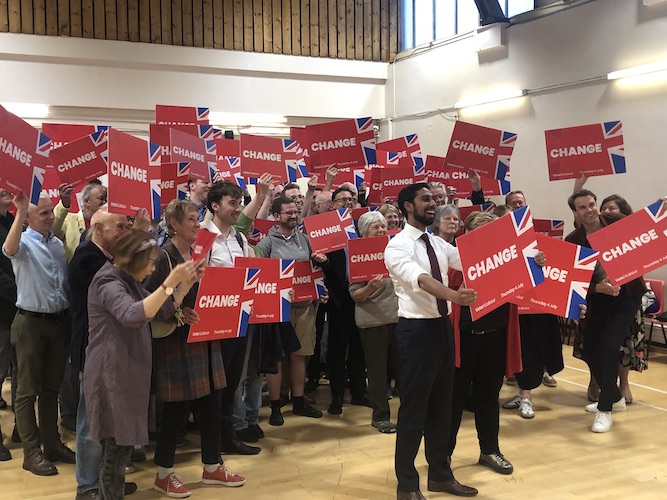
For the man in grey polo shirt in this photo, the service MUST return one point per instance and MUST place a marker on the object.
(40, 331)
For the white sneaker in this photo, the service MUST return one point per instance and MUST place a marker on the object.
(526, 408)
(602, 422)
(616, 407)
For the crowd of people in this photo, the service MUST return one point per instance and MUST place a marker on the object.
(96, 310)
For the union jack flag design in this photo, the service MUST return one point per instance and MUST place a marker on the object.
(183, 169)
(156, 194)
(202, 114)
(211, 149)
(182, 191)
(43, 146)
(504, 185)
(244, 317)
(393, 158)
(251, 278)
(346, 222)
(212, 171)
(286, 272)
(585, 260)
(154, 154)
(359, 176)
(37, 183)
(99, 128)
(286, 268)
(657, 211)
(522, 220)
(616, 154)
(535, 272)
(370, 154)
(98, 138)
(364, 124)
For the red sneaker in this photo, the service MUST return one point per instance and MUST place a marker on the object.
(222, 476)
(172, 486)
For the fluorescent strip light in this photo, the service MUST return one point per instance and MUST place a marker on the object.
(244, 118)
(511, 94)
(638, 70)
(27, 109)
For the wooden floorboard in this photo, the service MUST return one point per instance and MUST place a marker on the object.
(555, 455)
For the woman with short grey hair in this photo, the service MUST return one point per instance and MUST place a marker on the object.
(446, 223)
(376, 315)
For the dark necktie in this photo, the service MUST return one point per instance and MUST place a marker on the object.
(435, 272)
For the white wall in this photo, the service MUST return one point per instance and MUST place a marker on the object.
(102, 75)
(576, 44)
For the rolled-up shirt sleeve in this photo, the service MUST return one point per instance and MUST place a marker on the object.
(400, 261)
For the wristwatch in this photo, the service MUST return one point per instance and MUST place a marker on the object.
(167, 289)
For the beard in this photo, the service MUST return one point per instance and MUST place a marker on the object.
(427, 220)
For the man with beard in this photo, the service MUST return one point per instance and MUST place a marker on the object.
(418, 264)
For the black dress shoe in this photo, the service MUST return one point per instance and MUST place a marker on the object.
(247, 436)
(336, 406)
(257, 430)
(360, 400)
(39, 465)
(496, 462)
(306, 410)
(453, 487)
(409, 495)
(130, 488)
(60, 453)
(236, 447)
(4, 453)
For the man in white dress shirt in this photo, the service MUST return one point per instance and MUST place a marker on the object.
(418, 264)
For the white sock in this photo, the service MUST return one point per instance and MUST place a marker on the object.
(163, 472)
(211, 467)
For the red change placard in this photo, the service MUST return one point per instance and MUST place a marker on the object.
(82, 160)
(365, 258)
(330, 231)
(180, 115)
(386, 182)
(347, 143)
(24, 155)
(279, 157)
(487, 150)
(64, 133)
(272, 300)
(203, 244)
(567, 276)
(174, 181)
(160, 134)
(299, 135)
(260, 230)
(590, 150)
(190, 149)
(633, 246)
(224, 303)
(458, 179)
(498, 260)
(308, 281)
(229, 169)
(407, 149)
(227, 148)
(133, 182)
(549, 227)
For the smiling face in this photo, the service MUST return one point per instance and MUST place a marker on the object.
(393, 220)
(40, 216)
(422, 209)
(610, 208)
(287, 217)
(227, 211)
(586, 211)
(188, 228)
(378, 228)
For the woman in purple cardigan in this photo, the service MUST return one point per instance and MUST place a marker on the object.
(117, 374)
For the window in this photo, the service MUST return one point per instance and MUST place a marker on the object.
(428, 20)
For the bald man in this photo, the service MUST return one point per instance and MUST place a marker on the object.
(40, 331)
(88, 258)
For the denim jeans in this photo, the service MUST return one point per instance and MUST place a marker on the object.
(88, 451)
(248, 396)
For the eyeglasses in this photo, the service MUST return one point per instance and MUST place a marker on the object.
(290, 213)
(343, 200)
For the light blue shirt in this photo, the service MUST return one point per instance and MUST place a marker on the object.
(40, 267)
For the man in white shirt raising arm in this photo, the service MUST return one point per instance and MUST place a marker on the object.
(418, 265)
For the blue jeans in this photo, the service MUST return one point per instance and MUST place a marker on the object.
(88, 451)
(248, 395)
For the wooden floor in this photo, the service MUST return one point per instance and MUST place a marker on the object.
(555, 455)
